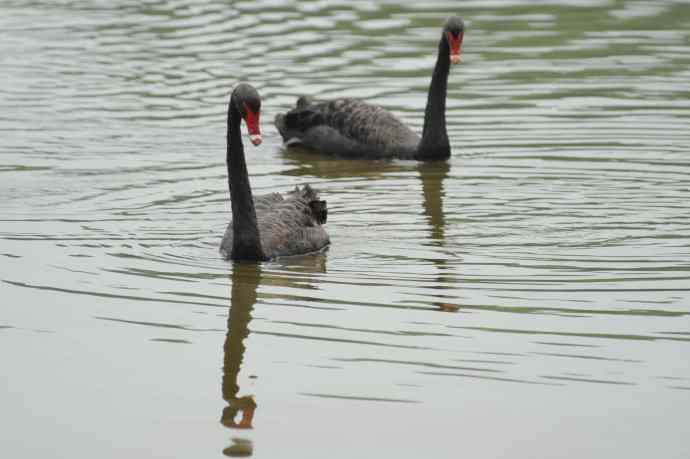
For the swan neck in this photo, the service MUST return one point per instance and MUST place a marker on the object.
(434, 143)
(245, 231)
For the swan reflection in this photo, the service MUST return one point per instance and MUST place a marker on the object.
(240, 409)
(239, 412)
(432, 176)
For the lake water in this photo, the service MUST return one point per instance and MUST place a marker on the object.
(528, 298)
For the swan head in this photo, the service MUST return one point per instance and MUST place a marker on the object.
(248, 103)
(453, 33)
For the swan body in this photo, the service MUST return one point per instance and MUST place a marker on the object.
(353, 128)
(288, 225)
(273, 225)
(350, 128)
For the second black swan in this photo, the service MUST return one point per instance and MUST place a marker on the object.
(354, 129)
(269, 226)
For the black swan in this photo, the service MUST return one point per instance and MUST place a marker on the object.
(354, 129)
(269, 226)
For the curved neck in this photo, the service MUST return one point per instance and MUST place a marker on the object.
(434, 143)
(246, 243)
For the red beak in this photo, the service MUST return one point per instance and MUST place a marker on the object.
(454, 44)
(252, 120)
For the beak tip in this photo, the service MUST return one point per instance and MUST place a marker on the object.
(454, 58)
(256, 139)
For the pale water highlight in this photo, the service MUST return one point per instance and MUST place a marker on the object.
(527, 298)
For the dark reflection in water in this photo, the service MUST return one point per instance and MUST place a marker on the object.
(308, 163)
(560, 227)
(240, 447)
(246, 277)
(239, 412)
(432, 176)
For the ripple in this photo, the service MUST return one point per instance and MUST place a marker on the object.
(360, 398)
(558, 233)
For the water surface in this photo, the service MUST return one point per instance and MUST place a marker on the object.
(527, 298)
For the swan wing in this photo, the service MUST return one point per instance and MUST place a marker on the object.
(347, 127)
(291, 224)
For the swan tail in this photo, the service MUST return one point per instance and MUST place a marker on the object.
(306, 193)
(303, 118)
(291, 127)
(319, 209)
(304, 101)
(317, 206)
(279, 122)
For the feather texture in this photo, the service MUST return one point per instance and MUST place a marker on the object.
(288, 225)
(267, 226)
(348, 127)
(352, 128)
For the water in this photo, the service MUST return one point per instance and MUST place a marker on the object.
(528, 298)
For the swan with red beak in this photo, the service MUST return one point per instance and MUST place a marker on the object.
(455, 32)
(251, 118)
(353, 128)
(273, 225)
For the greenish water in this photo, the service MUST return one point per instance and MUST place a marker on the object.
(528, 298)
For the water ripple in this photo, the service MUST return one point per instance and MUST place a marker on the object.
(552, 250)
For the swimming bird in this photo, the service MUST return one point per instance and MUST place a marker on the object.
(273, 225)
(355, 129)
